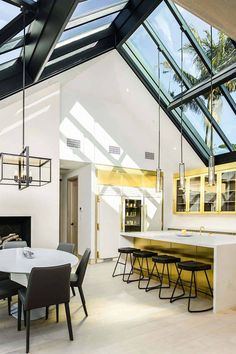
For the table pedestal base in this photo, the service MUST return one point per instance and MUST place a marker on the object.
(35, 314)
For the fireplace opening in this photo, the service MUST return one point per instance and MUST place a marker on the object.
(19, 225)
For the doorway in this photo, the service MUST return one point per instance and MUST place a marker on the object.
(72, 212)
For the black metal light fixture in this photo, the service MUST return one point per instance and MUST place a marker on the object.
(181, 164)
(159, 171)
(211, 162)
(23, 170)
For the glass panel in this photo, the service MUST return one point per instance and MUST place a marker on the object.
(197, 118)
(141, 66)
(10, 45)
(194, 193)
(13, 54)
(8, 12)
(224, 51)
(168, 30)
(87, 7)
(223, 115)
(210, 196)
(69, 54)
(231, 86)
(88, 28)
(228, 188)
(180, 200)
(146, 49)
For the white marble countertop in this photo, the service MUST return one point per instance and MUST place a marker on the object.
(204, 240)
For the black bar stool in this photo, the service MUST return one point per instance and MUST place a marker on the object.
(165, 260)
(192, 267)
(140, 255)
(128, 251)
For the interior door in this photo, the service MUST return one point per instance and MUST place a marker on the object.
(152, 214)
(72, 212)
(109, 225)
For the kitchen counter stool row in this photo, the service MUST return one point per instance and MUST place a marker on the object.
(160, 269)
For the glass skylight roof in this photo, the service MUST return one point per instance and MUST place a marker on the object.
(93, 29)
(88, 28)
(93, 6)
(13, 54)
(7, 13)
(162, 29)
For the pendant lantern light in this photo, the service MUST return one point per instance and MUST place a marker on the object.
(211, 162)
(181, 164)
(23, 170)
(159, 171)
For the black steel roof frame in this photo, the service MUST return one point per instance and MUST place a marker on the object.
(177, 70)
(16, 25)
(132, 17)
(27, 4)
(125, 24)
(204, 87)
(182, 23)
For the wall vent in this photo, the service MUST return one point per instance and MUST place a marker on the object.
(149, 155)
(114, 150)
(73, 143)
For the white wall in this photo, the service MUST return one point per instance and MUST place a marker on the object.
(104, 103)
(42, 135)
(86, 207)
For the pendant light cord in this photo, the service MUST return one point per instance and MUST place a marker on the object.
(181, 120)
(23, 80)
(159, 111)
(211, 97)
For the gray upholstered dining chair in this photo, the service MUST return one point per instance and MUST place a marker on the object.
(46, 286)
(66, 247)
(15, 244)
(76, 280)
(8, 288)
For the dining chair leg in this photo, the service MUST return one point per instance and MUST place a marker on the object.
(57, 312)
(83, 300)
(24, 318)
(46, 312)
(27, 330)
(73, 290)
(67, 308)
(9, 305)
(19, 315)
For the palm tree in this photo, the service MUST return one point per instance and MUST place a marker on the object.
(223, 55)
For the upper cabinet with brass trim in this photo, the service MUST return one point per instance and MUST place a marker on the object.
(200, 198)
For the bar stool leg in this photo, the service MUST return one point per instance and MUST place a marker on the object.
(169, 283)
(148, 288)
(126, 259)
(131, 270)
(190, 291)
(117, 262)
(141, 274)
(195, 285)
(131, 261)
(179, 280)
(209, 286)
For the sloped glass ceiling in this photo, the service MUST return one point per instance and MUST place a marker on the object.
(90, 17)
(162, 29)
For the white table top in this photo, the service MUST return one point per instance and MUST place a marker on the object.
(13, 261)
(195, 239)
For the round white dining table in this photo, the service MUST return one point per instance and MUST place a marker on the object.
(14, 262)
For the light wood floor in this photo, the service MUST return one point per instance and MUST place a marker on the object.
(123, 320)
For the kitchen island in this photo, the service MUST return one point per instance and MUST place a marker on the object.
(218, 250)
